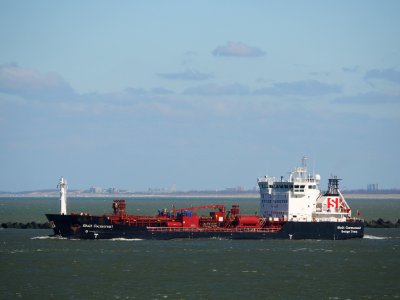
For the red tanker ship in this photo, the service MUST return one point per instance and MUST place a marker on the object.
(292, 209)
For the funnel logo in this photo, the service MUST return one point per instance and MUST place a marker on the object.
(334, 202)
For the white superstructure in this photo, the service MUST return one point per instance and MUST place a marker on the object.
(299, 198)
(62, 186)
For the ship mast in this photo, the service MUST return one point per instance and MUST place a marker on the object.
(62, 186)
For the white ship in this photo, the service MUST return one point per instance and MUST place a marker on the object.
(299, 198)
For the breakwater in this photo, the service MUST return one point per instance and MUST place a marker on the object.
(379, 223)
(28, 225)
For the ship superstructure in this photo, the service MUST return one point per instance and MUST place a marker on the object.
(299, 198)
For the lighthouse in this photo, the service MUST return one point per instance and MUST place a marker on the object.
(62, 186)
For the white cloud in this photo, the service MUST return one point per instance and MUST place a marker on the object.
(390, 75)
(300, 88)
(218, 90)
(186, 75)
(370, 98)
(188, 57)
(353, 69)
(237, 49)
(158, 91)
(30, 83)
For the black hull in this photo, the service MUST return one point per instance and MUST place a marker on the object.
(99, 227)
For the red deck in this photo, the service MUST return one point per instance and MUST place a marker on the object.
(186, 219)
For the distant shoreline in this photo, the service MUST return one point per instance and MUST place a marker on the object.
(371, 196)
(177, 195)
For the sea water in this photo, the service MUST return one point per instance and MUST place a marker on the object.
(35, 265)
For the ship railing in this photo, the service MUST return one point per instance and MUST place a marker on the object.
(335, 213)
(218, 229)
(330, 216)
(298, 180)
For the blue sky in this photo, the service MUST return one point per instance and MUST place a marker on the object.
(201, 94)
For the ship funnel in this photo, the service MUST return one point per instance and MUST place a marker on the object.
(62, 186)
(333, 186)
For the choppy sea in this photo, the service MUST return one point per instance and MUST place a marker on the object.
(34, 265)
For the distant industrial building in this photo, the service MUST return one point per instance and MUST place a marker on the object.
(372, 187)
(96, 190)
(237, 189)
(112, 190)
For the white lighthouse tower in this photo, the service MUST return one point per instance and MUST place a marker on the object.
(62, 186)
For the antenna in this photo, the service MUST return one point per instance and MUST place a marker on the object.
(313, 167)
(304, 161)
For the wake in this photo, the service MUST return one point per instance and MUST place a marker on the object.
(373, 237)
(125, 240)
(48, 237)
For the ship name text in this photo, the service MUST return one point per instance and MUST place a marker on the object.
(349, 229)
(97, 226)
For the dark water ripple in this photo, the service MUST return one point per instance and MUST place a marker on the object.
(36, 267)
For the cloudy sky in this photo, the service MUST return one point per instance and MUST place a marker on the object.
(201, 94)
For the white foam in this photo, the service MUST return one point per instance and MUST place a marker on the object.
(373, 237)
(48, 237)
(249, 271)
(125, 240)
